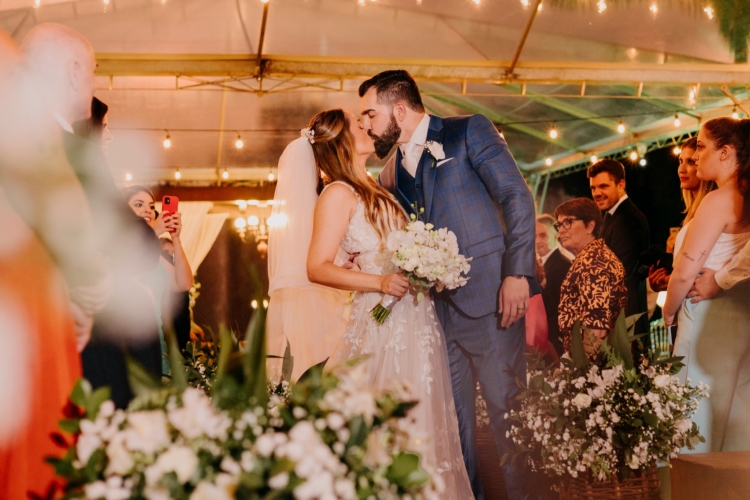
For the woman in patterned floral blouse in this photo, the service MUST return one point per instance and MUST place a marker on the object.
(594, 289)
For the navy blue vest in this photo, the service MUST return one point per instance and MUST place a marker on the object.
(410, 187)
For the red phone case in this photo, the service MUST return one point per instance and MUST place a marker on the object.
(169, 205)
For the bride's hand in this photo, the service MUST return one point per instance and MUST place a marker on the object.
(395, 284)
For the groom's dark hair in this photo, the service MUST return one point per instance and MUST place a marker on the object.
(393, 86)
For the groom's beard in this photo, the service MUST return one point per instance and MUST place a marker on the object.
(385, 142)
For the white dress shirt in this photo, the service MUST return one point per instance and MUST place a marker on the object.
(412, 151)
(612, 210)
(737, 270)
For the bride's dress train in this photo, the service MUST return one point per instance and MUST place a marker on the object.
(409, 346)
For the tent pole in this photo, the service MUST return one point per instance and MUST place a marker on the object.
(544, 194)
(512, 67)
(537, 180)
(259, 59)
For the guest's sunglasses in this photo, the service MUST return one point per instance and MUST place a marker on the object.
(565, 224)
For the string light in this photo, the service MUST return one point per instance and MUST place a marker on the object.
(477, 1)
(539, 9)
(265, 303)
(525, 3)
(677, 150)
(105, 2)
(37, 3)
(254, 304)
(620, 127)
(654, 8)
(548, 161)
(633, 155)
(691, 97)
(167, 141)
(553, 132)
(238, 143)
(677, 121)
(177, 174)
(709, 12)
(225, 174)
(594, 159)
(253, 221)
(643, 162)
(240, 223)
(601, 6)
(264, 1)
(128, 177)
(735, 114)
(271, 177)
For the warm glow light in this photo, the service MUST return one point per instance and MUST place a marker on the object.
(709, 12)
(643, 162)
(735, 114)
(548, 162)
(677, 121)
(225, 174)
(477, 1)
(167, 141)
(252, 203)
(177, 174)
(254, 304)
(633, 155)
(621, 127)
(264, 1)
(128, 177)
(601, 6)
(242, 204)
(37, 3)
(253, 221)
(525, 3)
(691, 97)
(553, 133)
(271, 177)
(240, 223)
(265, 303)
(539, 9)
(654, 8)
(677, 150)
(277, 220)
(594, 159)
(238, 143)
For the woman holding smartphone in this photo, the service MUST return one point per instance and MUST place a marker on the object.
(168, 278)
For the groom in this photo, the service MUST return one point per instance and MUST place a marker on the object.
(459, 170)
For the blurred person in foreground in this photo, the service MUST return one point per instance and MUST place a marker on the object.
(62, 62)
(594, 288)
(52, 280)
(556, 264)
(693, 192)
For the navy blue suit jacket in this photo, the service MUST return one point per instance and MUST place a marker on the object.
(480, 195)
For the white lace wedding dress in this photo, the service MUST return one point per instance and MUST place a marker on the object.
(409, 346)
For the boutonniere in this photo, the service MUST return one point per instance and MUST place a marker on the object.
(435, 149)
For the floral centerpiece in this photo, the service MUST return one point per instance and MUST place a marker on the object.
(428, 257)
(600, 416)
(328, 436)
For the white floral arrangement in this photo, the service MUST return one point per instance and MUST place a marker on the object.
(428, 257)
(602, 415)
(328, 436)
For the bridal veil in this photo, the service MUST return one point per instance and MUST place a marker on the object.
(310, 317)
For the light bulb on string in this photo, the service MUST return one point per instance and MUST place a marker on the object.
(525, 3)
(254, 304)
(594, 158)
(177, 174)
(691, 96)
(37, 3)
(654, 8)
(240, 223)
(709, 12)
(643, 162)
(239, 144)
(620, 127)
(735, 114)
(128, 176)
(633, 155)
(167, 141)
(477, 1)
(553, 132)
(677, 121)
(548, 161)
(677, 150)
(264, 1)
(601, 6)
(253, 221)
(271, 177)
(225, 174)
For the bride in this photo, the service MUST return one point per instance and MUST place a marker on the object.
(355, 213)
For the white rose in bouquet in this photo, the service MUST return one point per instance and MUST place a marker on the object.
(582, 401)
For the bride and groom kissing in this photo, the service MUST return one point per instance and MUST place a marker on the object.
(461, 175)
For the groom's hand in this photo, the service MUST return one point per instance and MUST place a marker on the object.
(513, 300)
(705, 286)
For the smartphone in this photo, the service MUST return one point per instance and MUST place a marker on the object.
(169, 205)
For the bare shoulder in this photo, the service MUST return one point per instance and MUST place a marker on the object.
(338, 195)
(719, 199)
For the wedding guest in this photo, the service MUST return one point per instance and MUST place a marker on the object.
(693, 192)
(96, 127)
(624, 229)
(594, 288)
(169, 277)
(47, 243)
(62, 62)
(712, 336)
(178, 314)
(556, 266)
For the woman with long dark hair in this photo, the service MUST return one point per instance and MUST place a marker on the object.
(354, 212)
(713, 335)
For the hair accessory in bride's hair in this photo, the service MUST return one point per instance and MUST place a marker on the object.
(308, 134)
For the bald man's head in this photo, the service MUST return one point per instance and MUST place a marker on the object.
(65, 61)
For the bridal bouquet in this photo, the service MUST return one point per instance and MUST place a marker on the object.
(330, 435)
(428, 257)
(602, 415)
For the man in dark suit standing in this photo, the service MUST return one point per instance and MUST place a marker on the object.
(625, 228)
(556, 265)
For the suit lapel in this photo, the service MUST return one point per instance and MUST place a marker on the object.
(403, 199)
(428, 164)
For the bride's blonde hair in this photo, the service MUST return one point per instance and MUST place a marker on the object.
(335, 157)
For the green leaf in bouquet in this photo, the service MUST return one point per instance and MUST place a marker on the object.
(142, 383)
(620, 341)
(631, 321)
(313, 374)
(577, 352)
(226, 345)
(96, 399)
(255, 358)
(359, 431)
(405, 472)
(420, 297)
(176, 361)
(81, 392)
(403, 409)
(251, 480)
(70, 425)
(288, 365)
(651, 419)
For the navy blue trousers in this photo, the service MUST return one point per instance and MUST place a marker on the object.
(478, 349)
